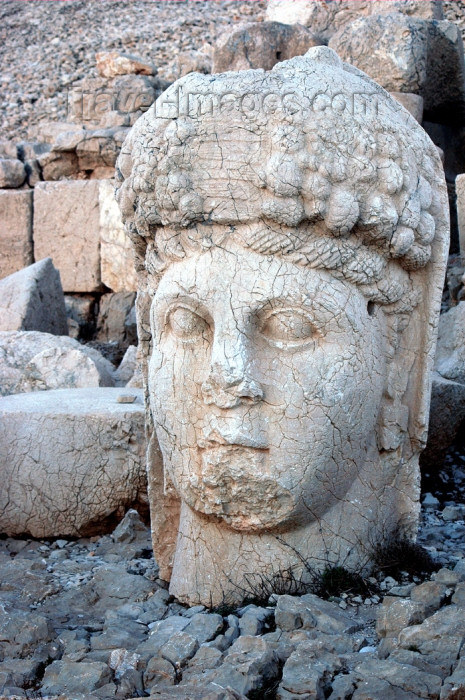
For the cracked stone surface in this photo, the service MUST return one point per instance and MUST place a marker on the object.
(89, 618)
(290, 249)
(32, 299)
(33, 361)
(72, 460)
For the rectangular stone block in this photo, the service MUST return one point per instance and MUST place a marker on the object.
(67, 229)
(15, 231)
(117, 260)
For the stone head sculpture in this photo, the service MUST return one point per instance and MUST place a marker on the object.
(290, 230)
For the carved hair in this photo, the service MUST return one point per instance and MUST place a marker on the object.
(293, 171)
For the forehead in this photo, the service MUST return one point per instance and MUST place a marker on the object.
(244, 276)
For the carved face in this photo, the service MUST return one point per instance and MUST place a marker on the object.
(265, 384)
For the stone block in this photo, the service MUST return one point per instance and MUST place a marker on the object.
(73, 459)
(67, 228)
(32, 300)
(460, 192)
(15, 231)
(409, 55)
(328, 16)
(450, 352)
(113, 63)
(31, 361)
(117, 259)
(260, 45)
(447, 410)
(12, 173)
(114, 310)
(412, 103)
(75, 678)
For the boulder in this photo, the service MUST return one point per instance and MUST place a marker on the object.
(450, 352)
(113, 63)
(32, 300)
(74, 461)
(15, 231)
(325, 17)
(100, 148)
(395, 614)
(409, 54)
(92, 99)
(308, 671)
(117, 259)
(412, 103)
(66, 227)
(75, 678)
(114, 310)
(8, 149)
(447, 411)
(394, 681)
(32, 361)
(128, 366)
(260, 45)
(460, 192)
(12, 173)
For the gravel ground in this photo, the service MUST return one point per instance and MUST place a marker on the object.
(45, 46)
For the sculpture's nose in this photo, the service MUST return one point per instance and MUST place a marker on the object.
(229, 382)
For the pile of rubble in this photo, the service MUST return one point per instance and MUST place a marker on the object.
(89, 618)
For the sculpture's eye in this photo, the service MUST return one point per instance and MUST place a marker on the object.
(288, 326)
(186, 324)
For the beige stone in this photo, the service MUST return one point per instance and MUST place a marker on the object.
(12, 172)
(409, 54)
(413, 103)
(325, 17)
(450, 353)
(67, 228)
(73, 458)
(447, 411)
(460, 192)
(260, 45)
(291, 251)
(32, 300)
(113, 63)
(117, 269)
(33, 361)
(15, 231)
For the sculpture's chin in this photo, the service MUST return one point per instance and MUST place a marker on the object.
(232, 484)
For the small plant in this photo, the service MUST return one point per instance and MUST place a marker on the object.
(399, 554)
(335, 580)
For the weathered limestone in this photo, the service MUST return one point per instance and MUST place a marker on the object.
(31, 361)
(260, 45)
(450, 354)
(113, 63)
(291, 252)
(447, 412)
(409, 54)
(70, 460)
(413, 103)
(116, 257)
(325, 17)
(67, 228)
(114, 310)
(460, 192)
(12, 172)
(15, 231)
(32, 300)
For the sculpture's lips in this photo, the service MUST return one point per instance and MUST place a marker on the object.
(242, 441)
